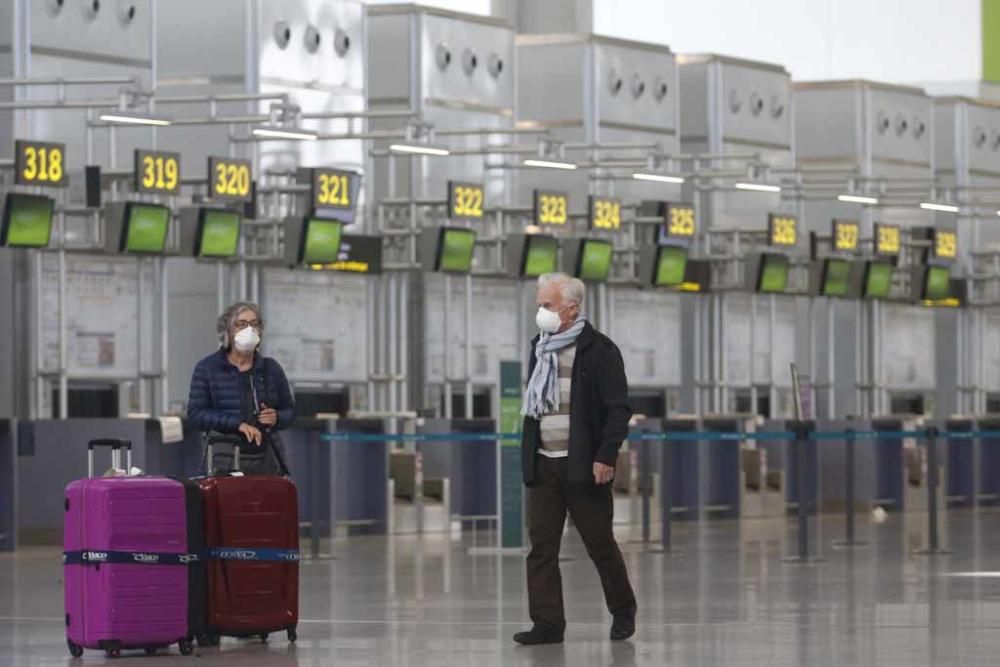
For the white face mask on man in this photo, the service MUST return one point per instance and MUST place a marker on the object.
(246, 340)
(548, 321)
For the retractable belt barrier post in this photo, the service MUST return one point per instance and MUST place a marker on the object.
(933, 547)
(850, 501)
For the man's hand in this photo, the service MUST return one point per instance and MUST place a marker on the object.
(251, 433)
(268, 416)
(603, 473)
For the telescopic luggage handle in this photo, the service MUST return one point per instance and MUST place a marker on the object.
(211, 439)
(116, 445)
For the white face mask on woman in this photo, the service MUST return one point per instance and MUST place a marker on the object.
(246, 340)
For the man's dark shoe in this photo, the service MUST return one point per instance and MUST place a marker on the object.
(623, 626)
(539, 634)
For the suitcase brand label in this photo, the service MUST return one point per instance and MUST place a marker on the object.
(145, 558)
(95, 556)
(279, 555)
(235, 554)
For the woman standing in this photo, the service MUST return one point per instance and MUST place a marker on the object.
(237, 390)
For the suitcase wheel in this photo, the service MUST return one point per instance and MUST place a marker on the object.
(205, 641)
(150, 651)
(263, 637)
(292, 634)
(75, 650)
(186, 647)
(114, 653)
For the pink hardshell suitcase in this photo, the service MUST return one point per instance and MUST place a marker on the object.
(132, 549)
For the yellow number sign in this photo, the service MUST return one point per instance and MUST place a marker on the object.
(551, 208)
(465, 201)
(887, 239)
(333, 188)
(157, 172)
(680, 220)
(40, 163)
(945, 244)
(605, 213)
(229, 178)
(845, 235)
(782, 230)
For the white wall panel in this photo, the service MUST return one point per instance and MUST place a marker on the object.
(819, 39)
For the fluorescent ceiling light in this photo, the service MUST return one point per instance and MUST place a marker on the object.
(658, 178)
(858, 199)
(758, 187)
(271, 132)
(946, 208)
(133, 118)
(419, 149)
(549, 164)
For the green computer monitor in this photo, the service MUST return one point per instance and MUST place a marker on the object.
(145, 228)
(594, 261)
(320, 241)
(541, 255)
(456, 247)
(26, 222)
(218, 233)
(878, 280)
(772, 277)
(671, 263)
(835, 277)
(937, 283)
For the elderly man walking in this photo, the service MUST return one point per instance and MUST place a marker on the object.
(576, 417)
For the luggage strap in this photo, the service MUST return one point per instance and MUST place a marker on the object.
(88, 556)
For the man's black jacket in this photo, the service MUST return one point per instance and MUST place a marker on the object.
(599, 410)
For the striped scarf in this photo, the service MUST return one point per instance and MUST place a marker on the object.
(541, 396)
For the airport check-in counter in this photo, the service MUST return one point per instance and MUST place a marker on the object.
(340, 483)
(765, 474)
(989, 462)
(470, 466)
(680, 469)
(722, 464)
(959, 458)
(829, 460)
(781, 460)
(53, 453)
(640, 474)
(8, 484)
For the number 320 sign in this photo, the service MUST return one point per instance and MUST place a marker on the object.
(229, 178)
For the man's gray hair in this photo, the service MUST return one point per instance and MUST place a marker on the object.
(572, 289)
(227, 320)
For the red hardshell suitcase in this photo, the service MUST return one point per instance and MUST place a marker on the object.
(252, 546)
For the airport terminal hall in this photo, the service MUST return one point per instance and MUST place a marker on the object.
(487, 333)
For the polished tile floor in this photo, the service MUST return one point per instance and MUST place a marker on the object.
(726, 598)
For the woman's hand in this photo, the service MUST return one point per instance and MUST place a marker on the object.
(268, 416)
(251, 433)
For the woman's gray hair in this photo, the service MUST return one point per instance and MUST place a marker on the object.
(227, 320)
(572, 289)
